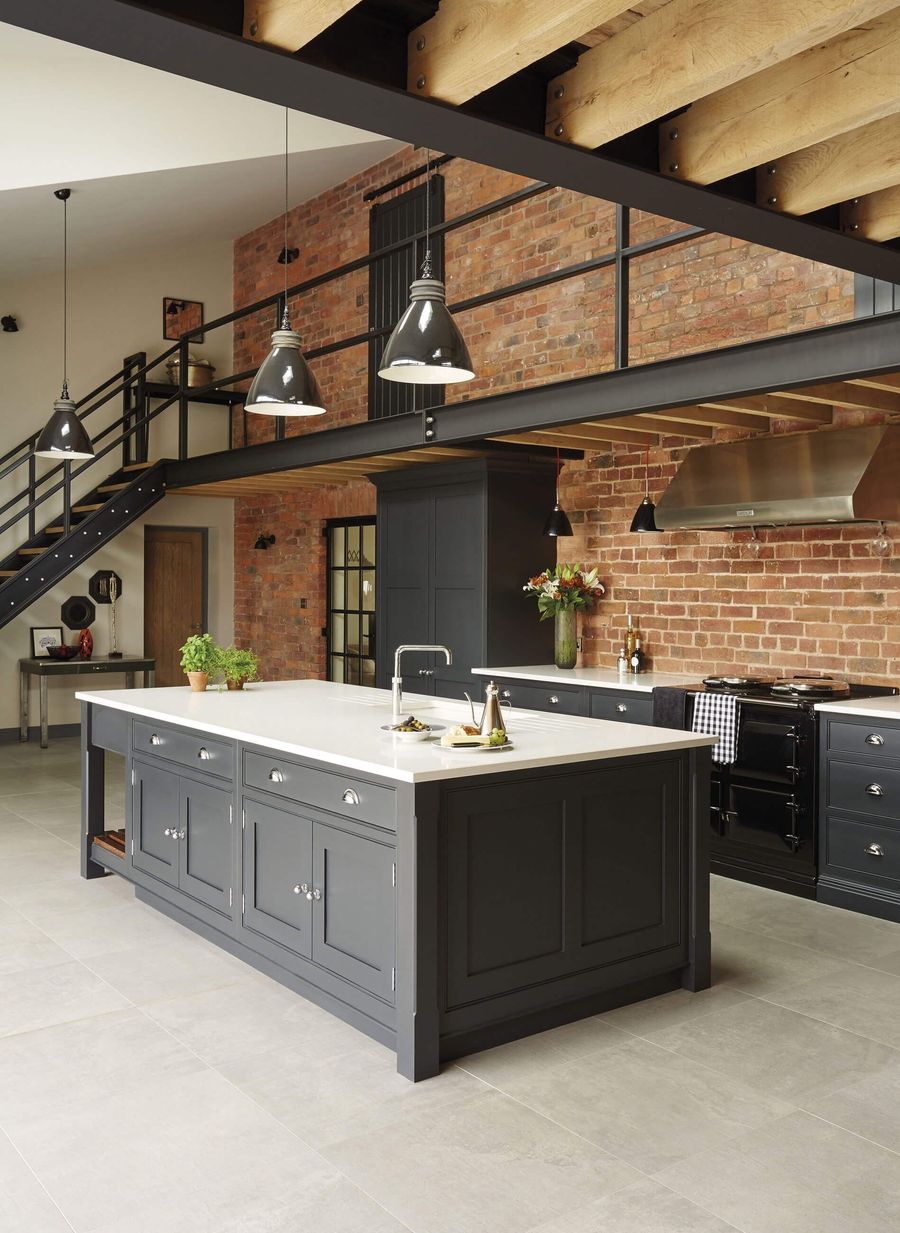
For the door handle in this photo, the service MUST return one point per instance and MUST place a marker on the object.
(874, 738)
(874, 849)
(874, 789)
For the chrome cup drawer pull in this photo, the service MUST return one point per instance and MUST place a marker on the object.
(275, 775)
(621, 707)
(155, 740)
(350, 796)
(553, 700)
(203, 754)
(874, 738)
(874, 789)
(874, 849)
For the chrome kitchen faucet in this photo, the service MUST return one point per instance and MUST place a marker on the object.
(397, 679)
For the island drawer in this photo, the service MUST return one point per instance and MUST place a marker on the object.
(863, 847)
(193, 749)
(871, 740)
(309, 785)
(538, 697)
(864, 789)
(628, 709)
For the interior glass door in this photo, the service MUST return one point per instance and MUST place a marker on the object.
(350, 627)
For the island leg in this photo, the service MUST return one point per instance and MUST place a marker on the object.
(697, 975)
(23, 705)
(93, 785)
(418, 955)
(42, 692)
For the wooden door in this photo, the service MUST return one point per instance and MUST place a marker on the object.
(174, 595)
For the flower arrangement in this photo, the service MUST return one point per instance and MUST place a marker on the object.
(565, 586)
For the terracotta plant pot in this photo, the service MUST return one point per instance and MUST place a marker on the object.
(238, 684)
(199, 681)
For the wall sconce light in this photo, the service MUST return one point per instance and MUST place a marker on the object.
(287, 255)
(174, 307)
(263, 541)
(10, 325)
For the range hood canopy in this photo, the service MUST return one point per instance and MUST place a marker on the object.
(844, 475)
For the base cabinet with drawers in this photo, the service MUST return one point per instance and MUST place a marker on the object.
(623, 705)
(859, 843)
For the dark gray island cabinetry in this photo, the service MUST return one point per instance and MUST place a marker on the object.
(440, 902)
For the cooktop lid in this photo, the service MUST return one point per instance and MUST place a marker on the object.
(735, 682)
(811, 686)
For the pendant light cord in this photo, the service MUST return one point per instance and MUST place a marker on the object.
(285, 319)
(557, 475)
(426, 264)
(65, 386)
(647, 474)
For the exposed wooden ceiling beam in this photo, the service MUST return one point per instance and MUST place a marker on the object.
(843, 394)
(682, 52)
(580, 436)
(714, 416)
(471, 45)
(676, 424)
(776, 407)
(862, 161)
(875, 216)
(291, 24)
(887, 381)
(840, 85)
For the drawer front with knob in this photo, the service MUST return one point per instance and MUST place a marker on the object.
(864, 789)
(534, 696)
(189, 749)
(870, 739)
(865, 849)
(628, 709)
(309, 785)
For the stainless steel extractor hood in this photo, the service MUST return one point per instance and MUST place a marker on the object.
(844, 475)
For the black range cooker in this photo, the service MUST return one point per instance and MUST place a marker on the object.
(764, 804)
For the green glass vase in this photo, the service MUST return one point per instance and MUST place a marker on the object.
(565, 647)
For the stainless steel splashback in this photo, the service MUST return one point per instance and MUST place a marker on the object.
(841, 475)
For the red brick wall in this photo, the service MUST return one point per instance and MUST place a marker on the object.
(702, 602)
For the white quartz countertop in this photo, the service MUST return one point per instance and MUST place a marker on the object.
(887, 707)
(340, 725)
(611, 678)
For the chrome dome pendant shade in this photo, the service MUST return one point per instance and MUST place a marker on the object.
(426, 346)
(64, 436)
(284, 384)
(557, 523)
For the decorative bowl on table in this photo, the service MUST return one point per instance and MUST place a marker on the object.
(63, 651)
(412, 729)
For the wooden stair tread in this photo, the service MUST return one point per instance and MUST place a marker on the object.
(86, 509)
(112, 841)
(8, 573)
(111, 487)
(138, 466)
(33, 552)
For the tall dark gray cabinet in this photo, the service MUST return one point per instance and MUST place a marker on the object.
(456, 543)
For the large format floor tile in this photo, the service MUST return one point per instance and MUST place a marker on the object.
(42, 996)
(25, 1206)
(645, 1207)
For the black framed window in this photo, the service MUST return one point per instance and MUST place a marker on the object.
(350, 627)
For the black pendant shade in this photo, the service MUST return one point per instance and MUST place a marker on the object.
(644, 517)
(284, 384)
(64, 435)
(426, 346)
(558, 522)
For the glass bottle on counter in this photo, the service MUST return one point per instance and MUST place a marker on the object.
(631, 635)
(622, 662)
(637, 657)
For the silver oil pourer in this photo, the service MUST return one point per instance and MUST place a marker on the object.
(492, 715)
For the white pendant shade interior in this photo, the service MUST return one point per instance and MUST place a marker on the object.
(284, 385)
(64, 437)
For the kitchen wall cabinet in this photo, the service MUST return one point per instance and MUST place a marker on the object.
(456, 544)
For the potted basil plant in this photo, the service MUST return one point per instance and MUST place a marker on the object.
(200, 659)
(239, 666)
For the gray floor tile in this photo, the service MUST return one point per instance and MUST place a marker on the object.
(671, 1009)
(23, 946)
(870, 1107)
(43, 996)
(562, 1044)
(485, 1164)
(182, 967)
(645, 1207)
(856, 998)
(763, 965)
(25, 1206)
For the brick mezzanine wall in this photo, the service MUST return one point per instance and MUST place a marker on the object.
(702, 602)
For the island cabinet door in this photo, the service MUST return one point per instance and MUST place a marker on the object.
(627, 843)
(206, 844)
(353, 908)
(156, 821)
(278, 879)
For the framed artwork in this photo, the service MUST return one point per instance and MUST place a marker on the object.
(44, 636)
(179, 316)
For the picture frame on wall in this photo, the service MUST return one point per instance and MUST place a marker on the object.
(43, 636)
(179, 316)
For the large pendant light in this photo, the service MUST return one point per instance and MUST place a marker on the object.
(64, 436)
(558, 520)
(426, 347)
(284, 384)
(645, 515)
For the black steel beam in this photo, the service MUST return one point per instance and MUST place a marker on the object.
(144, 36)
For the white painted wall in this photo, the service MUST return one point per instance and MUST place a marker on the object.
(114, 311)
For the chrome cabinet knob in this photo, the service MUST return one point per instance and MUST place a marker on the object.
(203, 754)
(622, 707)
(350, 796)
(874, 789)
(180, 835)
(169, 833)
(276, 775)
(553, 700)
(426, 672)
(505, 694)
(301, 888)
(315, 894)
(155, 740)
(874, 738)
(874, 849)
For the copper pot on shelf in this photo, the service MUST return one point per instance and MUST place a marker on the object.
(199, 371)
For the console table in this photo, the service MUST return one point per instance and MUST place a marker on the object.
(44, 668)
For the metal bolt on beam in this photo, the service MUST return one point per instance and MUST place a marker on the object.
(420, 82)
(254, 28)
(772, 200)
(420, 43)
(559, 91)
(673, 134)
(673, 166)
(558, 131)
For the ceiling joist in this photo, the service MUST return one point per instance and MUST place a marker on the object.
(777, 407)
(875, 216)
(682, 52)
(840, 85)
(291, 24)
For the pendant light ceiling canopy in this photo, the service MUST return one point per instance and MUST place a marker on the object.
(426, 346)
(284, 384)
(64, 436)
(645, 515)
(557, 523)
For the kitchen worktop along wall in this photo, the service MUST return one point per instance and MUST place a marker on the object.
(815, 599)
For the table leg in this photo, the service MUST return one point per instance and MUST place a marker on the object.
(129, 680)
(93, 805)
(150, 678)
(43, 692)
(23, 705)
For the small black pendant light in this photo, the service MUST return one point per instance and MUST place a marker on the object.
(558, 520)
(645, 515)
(426, 346)
(284, 384)
(64, 436)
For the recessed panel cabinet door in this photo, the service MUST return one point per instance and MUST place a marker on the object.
(353, 920)
(277, 859)
(156, 821)
(206, 844)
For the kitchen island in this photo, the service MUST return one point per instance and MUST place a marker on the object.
(441, 901)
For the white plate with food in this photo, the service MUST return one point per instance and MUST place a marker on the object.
(468, 739)
(473, 748)
(412, 729)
